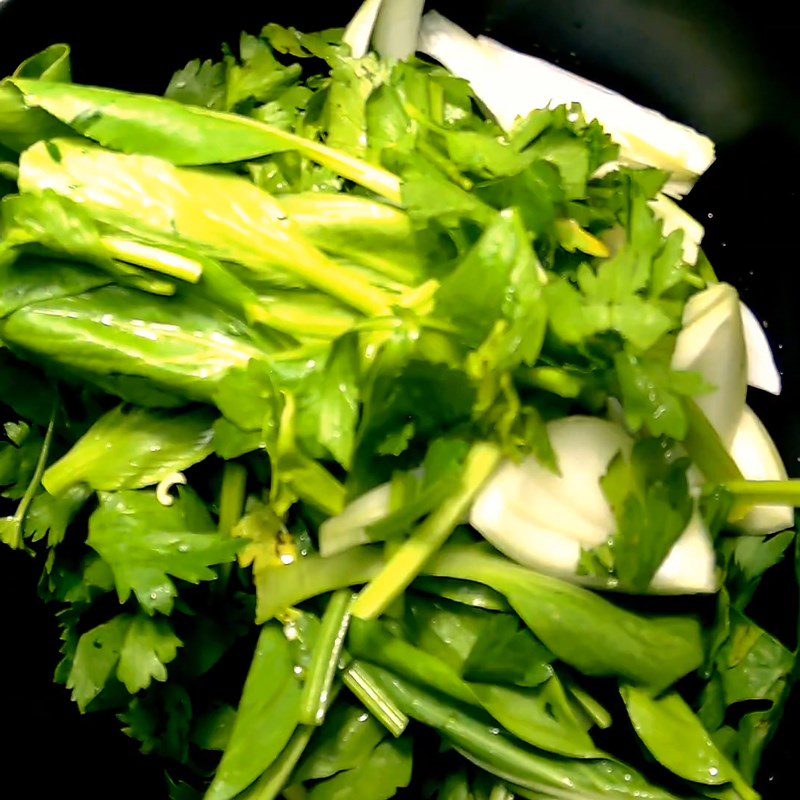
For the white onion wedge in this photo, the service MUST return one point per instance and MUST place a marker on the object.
(712, 343)
(391, 26)
(755, 454)
(545, 521)
(571, 503)
(520, 538)
(358, 34)
(762, 371)
(513, 84)
(691, 566)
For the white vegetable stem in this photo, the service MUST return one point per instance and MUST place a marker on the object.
(545, 521)
(391, 26)
(397, 28)
(513, 84)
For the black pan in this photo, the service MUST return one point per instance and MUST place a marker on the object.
(727, 68)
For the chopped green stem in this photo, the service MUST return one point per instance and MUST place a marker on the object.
(556, 381)
(694, 280)
(706, 449)
(231, 507)
(272, 783)
(765, 493)
(420, 299)
(325, 659)
(232, 496)
(9, 171)
(347, 286)
(155, 258)
(593, 709)
(409, 560)
(363, 683)
(445, 165)
(18, 520)
(381, 181)
(705, 270)
(137, 279)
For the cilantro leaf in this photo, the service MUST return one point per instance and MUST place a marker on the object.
(499, 281)
(96, 659)
(50, 516)
(328, 404)
(259, 76)
(149, 645)
(199, 83)
(652, 393)
(135, 649)
(160, 720)
(622, 293)
(649, 493)
(507, 653)
(408, 400)
(751, 670)
(146, 544)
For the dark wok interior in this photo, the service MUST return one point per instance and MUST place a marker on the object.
(728, 68)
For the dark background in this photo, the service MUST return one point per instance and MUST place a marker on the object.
(727, 68)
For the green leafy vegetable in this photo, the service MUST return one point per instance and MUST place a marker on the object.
(267, 346)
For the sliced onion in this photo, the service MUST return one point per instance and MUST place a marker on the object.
(526, 509)
(521, 539)
(762, 371)
(758, 459)
(691, 566)
(712, 343)
(358, 33)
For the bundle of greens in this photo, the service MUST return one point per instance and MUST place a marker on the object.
(367, 444)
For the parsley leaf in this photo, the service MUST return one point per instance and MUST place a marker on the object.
(135, 649)
(130, 448)
(652, 395)
(499, 281)
(50, 516)
(649, 493)
(146, 543)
